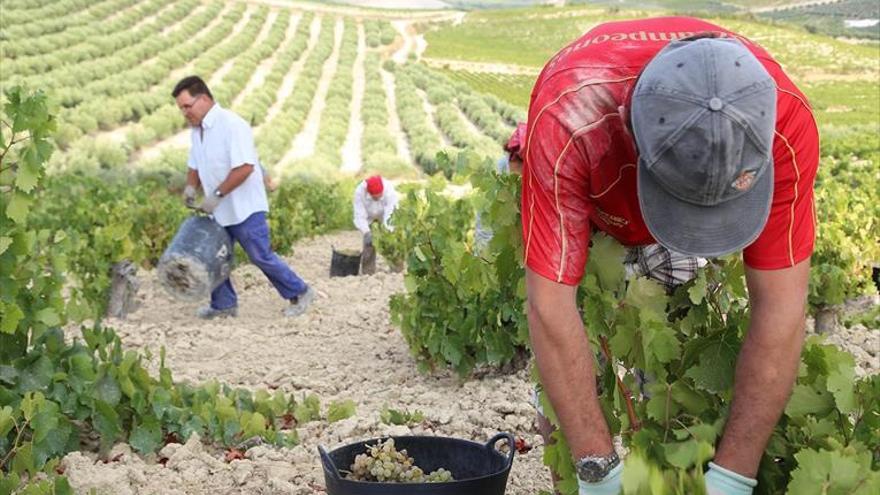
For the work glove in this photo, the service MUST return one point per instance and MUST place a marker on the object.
(189, 196)
(209, 204)
(611, 485)
(368, 239)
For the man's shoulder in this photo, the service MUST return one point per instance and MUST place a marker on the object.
(231, 119)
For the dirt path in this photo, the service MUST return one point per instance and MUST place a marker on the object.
(429, 109)
(150, 18)
(265, 66)
(182, 71)
(394, 126)
(219, 74)
(304, 143)
(471, 127)
(408, 45)
(351, 150)
(289, 82)
(345, 347)
(119, 135)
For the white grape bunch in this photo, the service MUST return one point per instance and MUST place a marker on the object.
(384, 463)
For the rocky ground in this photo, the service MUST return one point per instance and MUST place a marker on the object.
(345, 347)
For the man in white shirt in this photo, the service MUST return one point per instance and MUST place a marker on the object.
(374, 200)
(224, 162)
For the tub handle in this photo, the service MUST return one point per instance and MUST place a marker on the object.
(510, 442)
(328, 462)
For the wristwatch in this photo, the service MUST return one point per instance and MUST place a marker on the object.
(594, 468)
(218, 193)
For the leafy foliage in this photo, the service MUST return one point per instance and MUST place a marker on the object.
(391, 416)
(462, 309)
(687, 344)
(53, 392)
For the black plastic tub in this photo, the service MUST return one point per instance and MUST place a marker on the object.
(478, 469)
(344, 263)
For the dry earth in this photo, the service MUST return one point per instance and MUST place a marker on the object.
(345, 347)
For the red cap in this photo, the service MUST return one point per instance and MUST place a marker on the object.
(517, 139)
(374, 185)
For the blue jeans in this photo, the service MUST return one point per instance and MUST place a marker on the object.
(253, 235)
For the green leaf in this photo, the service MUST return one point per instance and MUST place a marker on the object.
(62, 486)
(12, 315)
(308, 410)
(37, 375)
(7, 420)
(697, 292)
(106, 422)
(253, 425)
(9, 482)
(660, 406)
(660, 342)
(28, 173)
(161, 402)
(685, 455)
(833, 472)
(339, 410)
(714, 373)
(45, 420)
(147, 436)
(606, 255)
(5, 242)
(23, 462)
(107, 390)
(841, 378)
(18, 207)
(48, 316)
(690, 399)
(649, 297)
(806, 399)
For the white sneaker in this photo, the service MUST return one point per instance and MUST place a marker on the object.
(299, 304)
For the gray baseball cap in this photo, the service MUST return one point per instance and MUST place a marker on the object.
(704, 116)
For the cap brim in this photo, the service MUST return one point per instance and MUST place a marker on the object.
(706, 231)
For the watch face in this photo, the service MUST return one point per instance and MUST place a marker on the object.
(590, 470)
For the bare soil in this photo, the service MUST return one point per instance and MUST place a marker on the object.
(344, 347)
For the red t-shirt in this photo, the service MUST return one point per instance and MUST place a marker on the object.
(580, 159)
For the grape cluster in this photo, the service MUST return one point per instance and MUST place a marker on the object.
(383, 462)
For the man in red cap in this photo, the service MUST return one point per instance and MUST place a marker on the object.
(681, 140)
(374, 200)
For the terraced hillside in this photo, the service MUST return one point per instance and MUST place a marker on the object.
(313, 81)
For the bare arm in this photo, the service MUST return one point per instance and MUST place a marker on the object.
(565, 362)
(767, 365)
(192, 178)
(236, 176)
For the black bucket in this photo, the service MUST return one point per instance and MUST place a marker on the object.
(198, 260)
(344, 263)
(477, 469)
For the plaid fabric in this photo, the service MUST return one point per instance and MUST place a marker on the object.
(667, 267)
